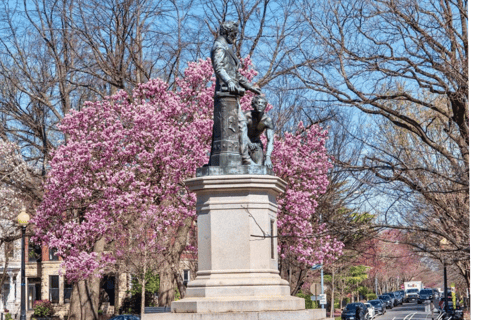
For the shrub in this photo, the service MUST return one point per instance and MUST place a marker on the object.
(132, 304)
(309, 304)
(336, 304)
(43, 308)
(371, 296)
(8, 316)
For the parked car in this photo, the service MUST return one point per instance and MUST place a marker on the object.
(125, 317)
(402, 294)
(350, 309)
(425, 295)
(379, 305)
(399, 297)
(411, 295)
(449, 291)
(388, 300)
(371, 310)
(396, 300)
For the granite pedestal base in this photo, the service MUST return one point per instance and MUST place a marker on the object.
(237, 252)
(310, 314)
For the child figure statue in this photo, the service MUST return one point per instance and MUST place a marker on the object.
(257, 123)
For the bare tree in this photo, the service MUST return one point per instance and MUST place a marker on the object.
(405, 64)
(54, 55)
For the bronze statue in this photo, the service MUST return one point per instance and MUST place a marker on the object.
(257, 123)
(229, 141)
(226, 64)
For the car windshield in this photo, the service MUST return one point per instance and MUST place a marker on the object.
(374, 303)
(412, 290)
(426, 292)
(351, 306)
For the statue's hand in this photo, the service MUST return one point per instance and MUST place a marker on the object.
(252, 146)
(256, 90)
(232, 87)
(268, 162)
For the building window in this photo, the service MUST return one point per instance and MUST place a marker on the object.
(34, 253)
(186, 276)
(9, 249)
(51, 254)
(67, 291)
(5, 293)
(31, 296)
(53, 289)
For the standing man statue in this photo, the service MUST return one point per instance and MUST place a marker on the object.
(257, 123)
(229, 145)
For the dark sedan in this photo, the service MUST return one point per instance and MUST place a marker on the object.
(425, 295)
(125, 317)
(402, 294)
(396, 299)
(387, 299)
(379, 306)
(350, 310)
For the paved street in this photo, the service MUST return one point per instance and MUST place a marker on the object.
(408, 311)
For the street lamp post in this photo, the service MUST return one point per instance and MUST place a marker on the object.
(23, 219)
(443, 243)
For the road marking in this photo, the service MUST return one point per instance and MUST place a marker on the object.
(409, 315)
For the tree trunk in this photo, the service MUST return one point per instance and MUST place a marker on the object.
(169, 269)
(86, 294)
(142, 303)
(341, 295)
(181, 287)
(166, 291)
(299, 282)
(332, 305)
(117, 292)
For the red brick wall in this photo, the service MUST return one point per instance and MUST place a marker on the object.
(45, 253)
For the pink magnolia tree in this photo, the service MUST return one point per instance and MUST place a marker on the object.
(300, 158)
(125, 160)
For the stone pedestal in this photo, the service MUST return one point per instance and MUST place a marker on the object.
(237, 248)
(311, 314)
(238, 274)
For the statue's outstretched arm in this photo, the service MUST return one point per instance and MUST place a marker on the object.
(246, 84)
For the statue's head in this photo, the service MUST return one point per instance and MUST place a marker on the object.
(259, 103)
(229, 30)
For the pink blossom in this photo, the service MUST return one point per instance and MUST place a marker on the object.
(125, 162)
